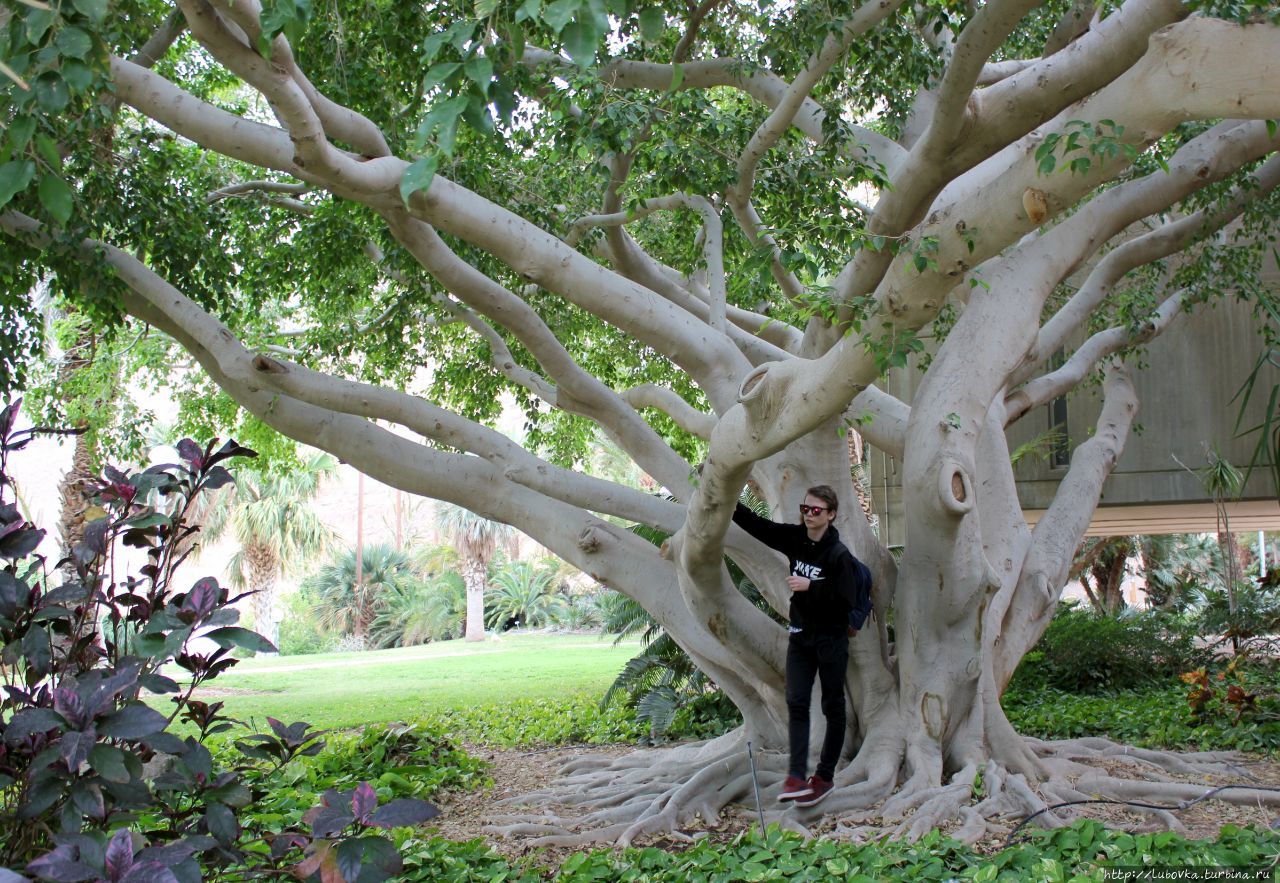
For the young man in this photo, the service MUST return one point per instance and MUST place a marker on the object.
(827, 584)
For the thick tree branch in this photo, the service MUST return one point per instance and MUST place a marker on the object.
(1165, 240)
(908, 299)
(713, 240)
(220, 351)
(757, 337)
(158, 43)
(1058, 533)
(766, 88)
(834, 46)
(211, 127)
(576, 391)
(1088, 356)
(1074, 23)
(687, 417)
(1004, 112)
(881, 419)
(244, 188)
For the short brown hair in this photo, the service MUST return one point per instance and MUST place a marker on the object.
(824, 493)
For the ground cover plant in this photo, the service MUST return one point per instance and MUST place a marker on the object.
(1078, 853)
(94, 785)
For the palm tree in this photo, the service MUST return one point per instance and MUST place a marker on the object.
(269, 517)
(350, 606)
(476, 539)
(431, 609)
(528, 595)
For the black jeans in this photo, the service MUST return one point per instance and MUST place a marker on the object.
(825, 656)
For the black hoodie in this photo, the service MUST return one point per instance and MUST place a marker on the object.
(838, 582)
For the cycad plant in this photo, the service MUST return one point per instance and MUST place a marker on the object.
(525, 594)
(271, 519)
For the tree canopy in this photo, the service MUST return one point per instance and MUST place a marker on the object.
(706, 231)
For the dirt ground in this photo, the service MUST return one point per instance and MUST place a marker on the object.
(465, 815)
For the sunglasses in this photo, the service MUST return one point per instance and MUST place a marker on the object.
(813, 510)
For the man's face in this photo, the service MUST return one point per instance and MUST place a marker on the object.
(816, 513)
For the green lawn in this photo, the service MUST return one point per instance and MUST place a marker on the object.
(351, 689)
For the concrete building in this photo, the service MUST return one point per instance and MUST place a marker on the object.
(1187, 389)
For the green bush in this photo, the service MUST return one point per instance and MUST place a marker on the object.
(1083, 652)
(397, 761)
(705, 717)
(300, 633)
(1156, 717)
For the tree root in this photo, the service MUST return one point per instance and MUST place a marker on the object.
(661, 791)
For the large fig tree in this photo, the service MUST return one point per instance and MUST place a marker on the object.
(708, 231)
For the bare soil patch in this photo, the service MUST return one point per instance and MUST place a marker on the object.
(464, 815)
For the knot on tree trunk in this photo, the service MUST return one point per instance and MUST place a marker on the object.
(590, 539)
(268, 365)
(752, 385)
(955, 488)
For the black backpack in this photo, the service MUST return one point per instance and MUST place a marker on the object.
(861, 609)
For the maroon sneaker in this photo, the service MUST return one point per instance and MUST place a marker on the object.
(819, 789)
(794, 788)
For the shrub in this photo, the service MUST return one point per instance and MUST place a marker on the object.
(92, 784)
(1083, 651)
(1156, 717)
(300, 634)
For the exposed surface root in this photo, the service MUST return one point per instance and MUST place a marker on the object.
(678, 793)
(643, 793)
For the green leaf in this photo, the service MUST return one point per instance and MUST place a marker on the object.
(1271, 128)
(486, 8)
(558, 14)
(94, 10)
(20, 132)
(652, 24)
(51, 93)
(580, 39)
(77, 75)
(56, 197)
(438, 73)
(530, 10)
(14, 178)
(677, 76)
(235, 636)
(38, 21)
(479, 70)
(504, 99)
(74, 42)
(108, 762)
(48, 150)
(132, 721)
(417, 176)
(476, 113)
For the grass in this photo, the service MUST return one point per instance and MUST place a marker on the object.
(339, 690)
